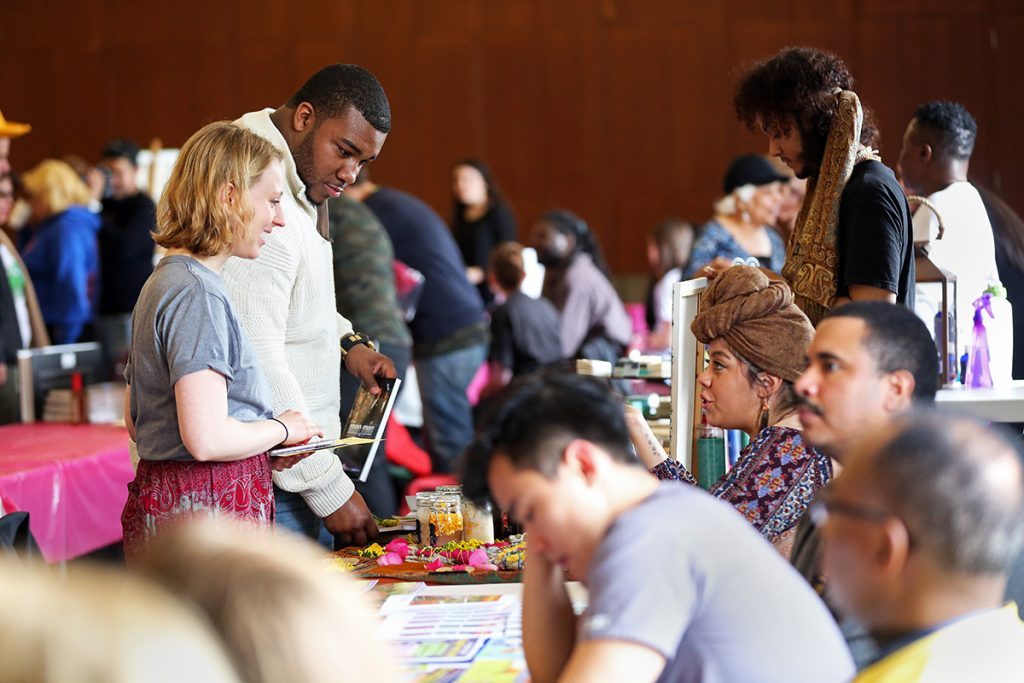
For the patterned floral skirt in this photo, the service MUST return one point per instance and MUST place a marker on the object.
(167, 491)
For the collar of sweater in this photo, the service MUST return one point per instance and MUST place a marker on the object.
(260, 123)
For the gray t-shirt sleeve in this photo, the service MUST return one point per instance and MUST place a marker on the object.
(198, 335)
(632, 598)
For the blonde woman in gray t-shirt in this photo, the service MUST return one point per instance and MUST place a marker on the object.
(197, 404)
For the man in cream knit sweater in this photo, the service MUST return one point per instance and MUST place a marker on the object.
(334, 125)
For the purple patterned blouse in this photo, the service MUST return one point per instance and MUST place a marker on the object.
(772, 483)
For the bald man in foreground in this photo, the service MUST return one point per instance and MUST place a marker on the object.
(920, 532)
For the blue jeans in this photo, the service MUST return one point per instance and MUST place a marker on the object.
(292, 513)
(447, 414)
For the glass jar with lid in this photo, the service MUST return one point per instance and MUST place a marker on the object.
(478, 521)
(446, 520)
(424, 503)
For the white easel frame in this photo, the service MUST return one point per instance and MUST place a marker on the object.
(685, 301)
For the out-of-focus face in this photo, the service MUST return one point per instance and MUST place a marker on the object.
(844, 395)
(553, 247)
(765, 205)
(330, 153)
(792, 199)
(850, 529)
(787, 146)
(725, 392)
(469, 186)
(5, 153)
(6, 199)
(559, 515)
(910, 167)
(265, 200)
(123, 174)
(40, 209)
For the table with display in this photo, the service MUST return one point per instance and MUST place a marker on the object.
(1003, 403)
(445, 623)
(72, 480)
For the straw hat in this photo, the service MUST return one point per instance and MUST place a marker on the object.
(10, 129)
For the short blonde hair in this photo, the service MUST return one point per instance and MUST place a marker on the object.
(99, 625)
(282, 614)
(57, 185)
(191, 214)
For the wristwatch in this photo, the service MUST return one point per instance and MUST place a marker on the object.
(353, 338)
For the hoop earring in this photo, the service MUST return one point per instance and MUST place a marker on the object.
(764, 418)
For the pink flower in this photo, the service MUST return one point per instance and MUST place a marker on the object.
(389, 558)
(477, 558)
(435, 565)
(399, 547)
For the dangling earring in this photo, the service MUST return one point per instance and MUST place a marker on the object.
(764, 418)
(744, 215)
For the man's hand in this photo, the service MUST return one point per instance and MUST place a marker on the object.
(3, 374)
(368, 365)
(279, 464)
(352, 523)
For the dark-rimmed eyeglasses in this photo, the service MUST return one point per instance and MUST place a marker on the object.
(826, 506)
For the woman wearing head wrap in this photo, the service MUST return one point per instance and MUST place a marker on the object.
(757, 340)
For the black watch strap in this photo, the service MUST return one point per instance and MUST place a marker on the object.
(352, 339)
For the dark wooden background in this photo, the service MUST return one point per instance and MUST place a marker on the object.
(617, 109)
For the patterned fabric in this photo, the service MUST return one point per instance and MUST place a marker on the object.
(812, 260)
(715, 241)
(165, 491)
(772, 483)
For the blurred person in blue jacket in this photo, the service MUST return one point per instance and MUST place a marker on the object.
(60, 250)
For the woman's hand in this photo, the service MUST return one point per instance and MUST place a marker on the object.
(300, 428)
(715, 268)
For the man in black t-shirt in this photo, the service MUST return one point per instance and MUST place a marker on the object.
(126, 248)
(854, 238)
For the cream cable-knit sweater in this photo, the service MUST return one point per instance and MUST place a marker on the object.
(285, 302)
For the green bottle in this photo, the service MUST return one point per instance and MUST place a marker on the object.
(710, 453)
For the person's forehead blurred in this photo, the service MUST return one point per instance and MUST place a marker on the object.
(842, 337)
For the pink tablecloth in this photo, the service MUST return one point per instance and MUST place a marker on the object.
(71, 479)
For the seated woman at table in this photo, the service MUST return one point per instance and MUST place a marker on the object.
(668, 252)
(742, 226)
(197, 404)
(282, 615)
(757, 340)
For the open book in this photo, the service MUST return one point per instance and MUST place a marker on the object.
(363, 431)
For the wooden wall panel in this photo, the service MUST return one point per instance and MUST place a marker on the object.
(617, 109)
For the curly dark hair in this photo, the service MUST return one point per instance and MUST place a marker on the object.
(797, 85)
(335, 88)
(954, 128)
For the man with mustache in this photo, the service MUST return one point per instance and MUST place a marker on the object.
(869, 361)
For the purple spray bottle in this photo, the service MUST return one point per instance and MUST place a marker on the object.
(978, 374)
